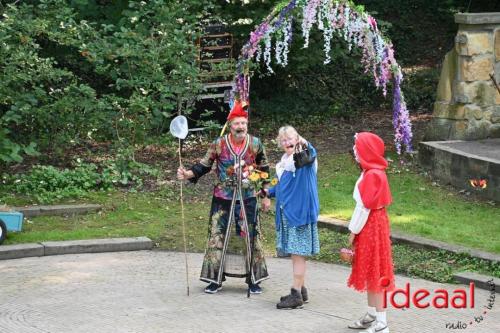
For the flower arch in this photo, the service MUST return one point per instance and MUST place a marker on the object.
(341, 17)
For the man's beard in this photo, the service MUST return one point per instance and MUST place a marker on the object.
(239, 133)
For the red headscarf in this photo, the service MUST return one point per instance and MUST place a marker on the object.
(374, 187)
(237, 111)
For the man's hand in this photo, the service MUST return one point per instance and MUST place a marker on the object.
(351, 239)
(183, 174)
(265, 204)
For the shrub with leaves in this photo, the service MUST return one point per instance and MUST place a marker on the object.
(76, 71)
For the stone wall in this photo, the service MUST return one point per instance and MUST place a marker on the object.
(467, 106)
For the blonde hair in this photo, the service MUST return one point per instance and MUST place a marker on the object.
(287, 130)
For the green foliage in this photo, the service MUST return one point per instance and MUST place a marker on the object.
(94, 70)
(125, 171)
(341, 88)
(47, 184)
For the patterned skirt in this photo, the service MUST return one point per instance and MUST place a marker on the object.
(302, 240)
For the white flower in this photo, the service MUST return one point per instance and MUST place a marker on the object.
(243, 21)
(134, 19)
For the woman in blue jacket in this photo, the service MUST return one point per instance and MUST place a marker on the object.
(297, 209)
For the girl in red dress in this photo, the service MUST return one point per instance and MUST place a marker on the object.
(372, 267)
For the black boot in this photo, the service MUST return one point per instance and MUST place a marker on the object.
(303, 291)
(292, 301)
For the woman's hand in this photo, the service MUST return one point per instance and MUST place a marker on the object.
(351, 240)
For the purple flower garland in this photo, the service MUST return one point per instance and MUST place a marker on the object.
(357, 28)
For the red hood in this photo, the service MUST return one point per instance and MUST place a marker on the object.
(370, 151)
(374, 187)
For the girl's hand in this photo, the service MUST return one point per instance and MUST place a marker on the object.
(265, 204)
(351, 240)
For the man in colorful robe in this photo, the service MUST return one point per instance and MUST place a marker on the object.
(230, 152)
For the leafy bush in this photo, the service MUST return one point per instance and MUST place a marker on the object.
(47, 184)
(73, 71)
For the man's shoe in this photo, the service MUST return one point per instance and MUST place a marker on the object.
(364, 322)
(303, 291)
(212, 288)
(255, 289)
(292, 301)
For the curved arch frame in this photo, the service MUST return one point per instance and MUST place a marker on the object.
(347, 20)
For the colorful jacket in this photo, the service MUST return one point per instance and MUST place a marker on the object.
(223, 155)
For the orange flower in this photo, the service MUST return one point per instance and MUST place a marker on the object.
(264, 175)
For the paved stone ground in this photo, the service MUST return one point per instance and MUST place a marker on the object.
(145, 292)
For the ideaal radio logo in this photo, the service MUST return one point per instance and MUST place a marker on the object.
(460, 298)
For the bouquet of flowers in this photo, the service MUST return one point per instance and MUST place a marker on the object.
(251, 177)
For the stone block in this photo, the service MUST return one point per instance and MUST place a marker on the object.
(477, 167)
(448, 72)
(458, 130)
(472, 111)
(477, 129)
(438, 129)
(476, 68)
(481, 93)
(495, 131)
(21, 251)
(28, 211)
(97, 245)
(473, 43)
(425, 156)
(497, 44)
(495, 117)
(497, 72)
(480, 281)
(477, 18)
(449, 111)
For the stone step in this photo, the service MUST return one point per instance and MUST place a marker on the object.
(415, 241)
(32, 211)
(457, 162)
(74, 247)
(480, 281)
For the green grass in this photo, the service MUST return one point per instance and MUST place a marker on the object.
(418, 207)
(156, 215)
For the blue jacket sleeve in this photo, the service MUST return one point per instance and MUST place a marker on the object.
(272, 192)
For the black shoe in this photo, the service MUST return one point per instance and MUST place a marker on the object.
(292, 301)
(255, 289)
(303, 291)
(212, 288)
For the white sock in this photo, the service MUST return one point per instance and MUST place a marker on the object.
(382, 317)
(372, 311)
